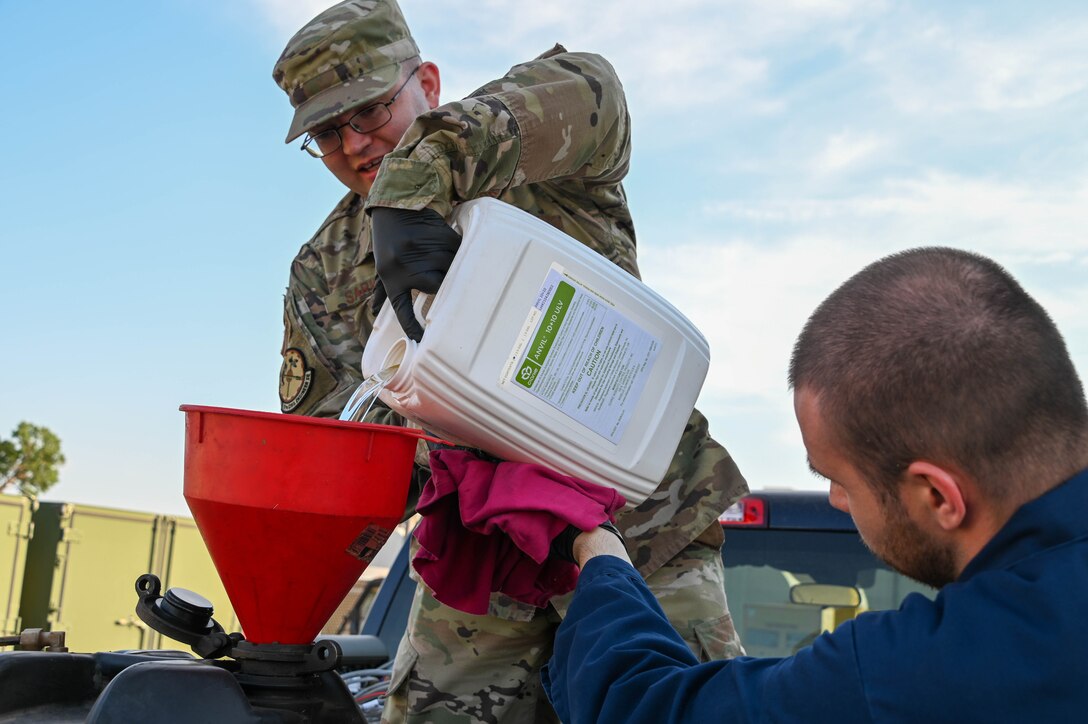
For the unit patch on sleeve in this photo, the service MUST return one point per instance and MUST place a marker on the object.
(295, 379)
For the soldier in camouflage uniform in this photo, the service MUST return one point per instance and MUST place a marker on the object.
(552, 137)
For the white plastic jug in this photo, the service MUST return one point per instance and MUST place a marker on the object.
(537, 349)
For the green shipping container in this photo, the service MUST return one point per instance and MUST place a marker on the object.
(82, 566)
(81, 571)
(17, 526)
(188, 564)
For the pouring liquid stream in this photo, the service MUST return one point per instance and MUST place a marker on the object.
(366, 394)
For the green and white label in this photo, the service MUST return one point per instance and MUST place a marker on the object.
(581, 356)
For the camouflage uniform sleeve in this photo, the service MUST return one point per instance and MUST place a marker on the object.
(322, 359)
(560, 116)
(702, 481)
(326, 319)
(320, 366)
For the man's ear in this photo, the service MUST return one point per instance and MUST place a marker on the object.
(431, 82)
(936, 493)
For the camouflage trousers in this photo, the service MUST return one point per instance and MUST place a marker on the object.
(452, 667)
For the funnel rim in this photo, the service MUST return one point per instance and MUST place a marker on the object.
(324, 421)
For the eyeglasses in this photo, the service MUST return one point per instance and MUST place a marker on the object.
(367, 120)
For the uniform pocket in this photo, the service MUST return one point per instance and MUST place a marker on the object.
(404, 663)
(718, 639)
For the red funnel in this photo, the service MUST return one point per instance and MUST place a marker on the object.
(292, 509)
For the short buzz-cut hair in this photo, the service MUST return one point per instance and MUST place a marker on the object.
(938, 354)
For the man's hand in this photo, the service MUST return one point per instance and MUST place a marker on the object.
(577, 546)
(412, 250)
(601, 541)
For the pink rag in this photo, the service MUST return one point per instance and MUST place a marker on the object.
(488, 527)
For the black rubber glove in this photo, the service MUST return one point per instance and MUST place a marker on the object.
(412, 250)
(563, 544)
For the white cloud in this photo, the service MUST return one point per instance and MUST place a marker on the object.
(844, 150)
(751, 297)
(941, 207)
(943, 65)
(751, 291)
(708, 51)
(750, 300)
(700, 51)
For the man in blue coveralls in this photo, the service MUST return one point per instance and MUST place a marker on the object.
(940, 402)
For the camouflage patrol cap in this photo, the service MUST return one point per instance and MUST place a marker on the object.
(346, 57)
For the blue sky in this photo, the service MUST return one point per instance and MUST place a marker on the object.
(149, 209)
